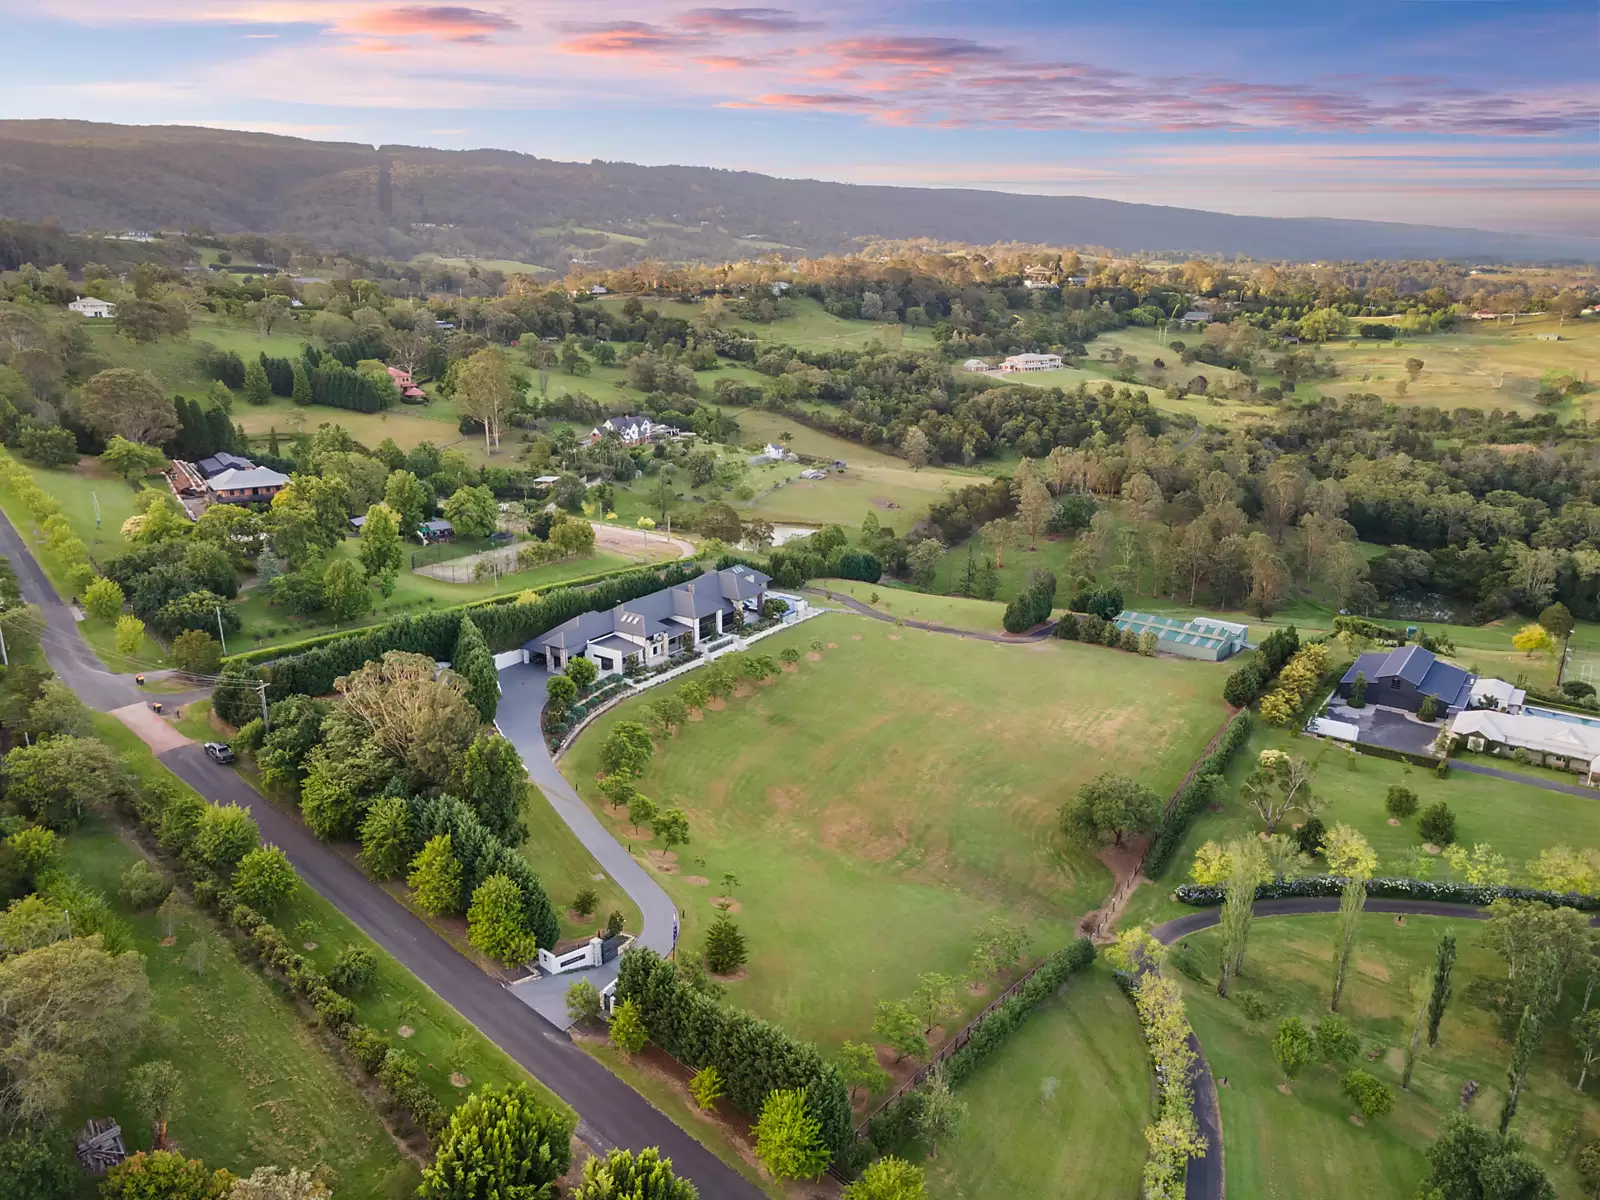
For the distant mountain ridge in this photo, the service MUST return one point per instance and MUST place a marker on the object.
(403, 200)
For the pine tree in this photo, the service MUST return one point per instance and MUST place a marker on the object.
(257, 390)
(495, 784)
(473, 662)
(272, 441)
(436, 877)
(302, 384)
(500, 1143)
(725, 948)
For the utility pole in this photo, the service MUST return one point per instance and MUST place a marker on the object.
(95, 496)
(3, 659)
(265, 724)
(220, 634)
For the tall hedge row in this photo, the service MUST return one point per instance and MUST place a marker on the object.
(1481, 895)
(504, 626)
(753, 1057)
(1196, 793)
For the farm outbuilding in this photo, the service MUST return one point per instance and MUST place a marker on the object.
(1204, 638)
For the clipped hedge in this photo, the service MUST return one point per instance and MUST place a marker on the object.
(893, 1128)
(1195, 794)
(1006, 1019)
(1205, 896)
(754, 1057)
(504, 626)
(268, 654)
(1421, 760)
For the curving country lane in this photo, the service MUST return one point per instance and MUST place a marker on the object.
(611, 1114)
(1205, 1178)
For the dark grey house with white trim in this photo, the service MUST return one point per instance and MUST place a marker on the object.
(1404, 677)
(650, 630)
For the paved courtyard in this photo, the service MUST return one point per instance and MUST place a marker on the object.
(1393, 728)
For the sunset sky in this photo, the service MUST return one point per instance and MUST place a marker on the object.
(1439, 112)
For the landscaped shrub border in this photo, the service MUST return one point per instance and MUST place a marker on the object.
(1420, 760)
(1208, 895)
(890, 1129)
(754, 1057)
(1195, 793)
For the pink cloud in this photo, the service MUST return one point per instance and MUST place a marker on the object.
(912, 51)
(448, 22)
(628, 37)
(745, 20)
(816, 101)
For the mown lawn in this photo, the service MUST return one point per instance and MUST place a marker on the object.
(958, 612)
(260, 1088)
(1303, 1144)
(1060, 1110)
(879, 802)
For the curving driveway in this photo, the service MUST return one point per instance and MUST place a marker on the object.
(610, 1112)
(522, 690)
(1205, 1177)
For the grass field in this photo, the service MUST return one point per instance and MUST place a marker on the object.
(260, 1088)
(810, 328)
(906, 782)
(1085, 1138)
(1303, 1144)
(958, 612)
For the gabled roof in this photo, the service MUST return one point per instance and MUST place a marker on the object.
(1545, 734)
(1422, 669)
(667, 611)
(238, 481)
(223, 461)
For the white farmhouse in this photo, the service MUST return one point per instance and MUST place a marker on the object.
(1031, 362)
(90, 307)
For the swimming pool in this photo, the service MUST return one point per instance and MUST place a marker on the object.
(1555, 714)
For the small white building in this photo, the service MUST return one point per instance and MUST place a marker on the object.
(1031, 362)
(1196, 316)
(598, 289)
(1497, 694)
(977, 366)
(92, 308)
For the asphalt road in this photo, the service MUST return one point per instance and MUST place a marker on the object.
(1205, 1177)
(610, 1113)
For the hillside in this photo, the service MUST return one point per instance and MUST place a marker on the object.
(494, 203)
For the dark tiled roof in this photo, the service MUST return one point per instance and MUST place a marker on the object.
(1418, 667)
(668, 611)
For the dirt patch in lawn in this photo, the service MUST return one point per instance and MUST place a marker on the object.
(813, 656)
(717, 704)
(696, 880)
(1376, 970)
(856, 637)
(894, 637)
(835, 645)
(726, 904)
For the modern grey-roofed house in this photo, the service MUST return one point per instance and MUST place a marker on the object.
(1404, 677)
(650, 630)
